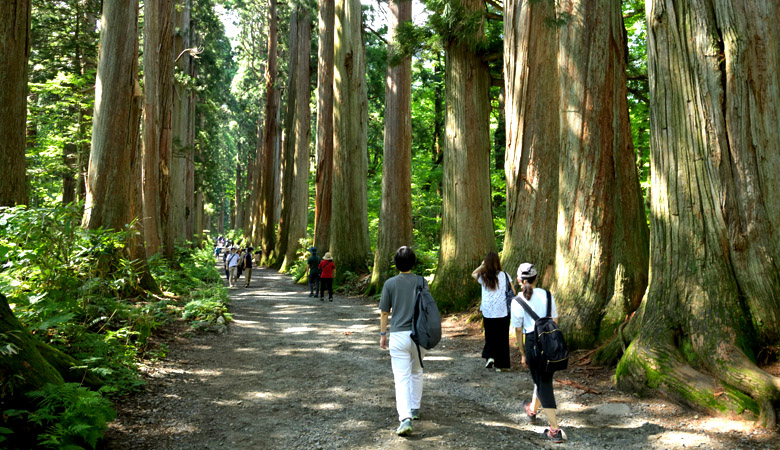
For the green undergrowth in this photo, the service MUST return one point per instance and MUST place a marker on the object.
(75, 290)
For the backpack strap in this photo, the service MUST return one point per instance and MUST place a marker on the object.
(549, 303)
(417, 307)
(508, 282)
(528, 309)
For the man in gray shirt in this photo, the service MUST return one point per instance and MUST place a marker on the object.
(398, 296)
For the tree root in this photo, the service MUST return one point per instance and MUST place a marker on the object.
(647, 367)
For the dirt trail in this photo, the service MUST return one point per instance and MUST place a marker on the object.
(294, 372)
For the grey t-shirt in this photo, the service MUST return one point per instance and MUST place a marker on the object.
(398, 295)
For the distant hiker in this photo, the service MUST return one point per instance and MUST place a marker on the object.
(495, 315)
(232, 265)
(247, 263)
(240, 267)
(543, 395)
(398, 295)
(313, 272)
(224, 263)
(217, 251)
(326, 266)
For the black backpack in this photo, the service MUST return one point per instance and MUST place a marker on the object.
(550, 343)
(426, 321)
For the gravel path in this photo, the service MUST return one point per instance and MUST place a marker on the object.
(294, 372)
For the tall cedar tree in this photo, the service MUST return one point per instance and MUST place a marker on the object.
(15, 45)
(180, 188)
(349, 221)
(324, 138)
(158, 104)
(532, 136)
(116, 150)
(296, 150)
(601, 258)
(467, 219)
(264, 226)
(714, 296)
(395, 217)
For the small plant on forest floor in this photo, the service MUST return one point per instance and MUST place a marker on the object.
(70, 415)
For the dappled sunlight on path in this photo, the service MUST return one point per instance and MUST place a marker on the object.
(296, 372)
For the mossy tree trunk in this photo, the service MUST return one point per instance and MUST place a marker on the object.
(395, 217)
(532, 137)
(467, 218)
(349, 221)
(714, 296)
(15, 45)
(601, 259)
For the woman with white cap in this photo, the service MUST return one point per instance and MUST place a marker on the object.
(327, 266)
(543, 396)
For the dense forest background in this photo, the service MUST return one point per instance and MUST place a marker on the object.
(627, 148)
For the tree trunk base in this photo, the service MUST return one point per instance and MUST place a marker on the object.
(647, 368)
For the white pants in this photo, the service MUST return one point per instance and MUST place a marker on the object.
(407, 372)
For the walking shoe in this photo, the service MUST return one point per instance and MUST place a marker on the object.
(415, 414)
(330, 299)
(556, 436)
(490, 363)
(405, 429)
(527, 408)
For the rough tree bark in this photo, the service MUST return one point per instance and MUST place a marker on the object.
(324, 144)
(158, 104)
(712, 303)
(349, 221)
(395, 217)
(266, 205)
(601, 259)
(532, 136)
(296, 167)
(115, 133)
(175, 228)
(467, 219)
(15, 48)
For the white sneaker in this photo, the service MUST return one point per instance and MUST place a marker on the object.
(490, 363)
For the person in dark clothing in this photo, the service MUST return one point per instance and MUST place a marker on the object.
(313, 272)
(247, 263)
(495, 315)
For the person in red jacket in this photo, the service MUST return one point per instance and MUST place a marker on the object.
(326, 276)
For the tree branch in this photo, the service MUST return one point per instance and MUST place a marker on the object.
(493, 16)
(376, 34)
(639, 95)
(495, 4)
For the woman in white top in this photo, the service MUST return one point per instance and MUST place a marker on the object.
(495, 316)
(523, 323)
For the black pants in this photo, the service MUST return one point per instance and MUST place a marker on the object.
(314, 285)
(543, 381)
(326, 283)
(497, 341)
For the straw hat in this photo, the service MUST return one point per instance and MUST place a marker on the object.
(327, 257)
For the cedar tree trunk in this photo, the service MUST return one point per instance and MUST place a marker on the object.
(532, 136)
(15, 46)
(467, 219)
(158, 103)
(714, 294)
(349, 222)
(395, 217)
(601, 259)
(324, 144)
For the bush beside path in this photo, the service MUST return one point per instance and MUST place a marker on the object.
(295, 372)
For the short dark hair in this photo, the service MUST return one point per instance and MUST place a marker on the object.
(404, 259)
